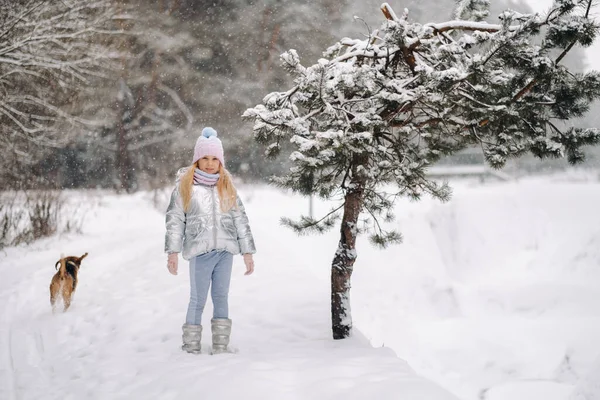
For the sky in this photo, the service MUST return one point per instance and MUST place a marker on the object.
(593, 52)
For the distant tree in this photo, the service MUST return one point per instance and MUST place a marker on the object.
(236, 60)
(184, 65)
(49, 51)
(144, 107)
(370, 118)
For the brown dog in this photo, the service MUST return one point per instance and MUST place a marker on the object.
(65, 280)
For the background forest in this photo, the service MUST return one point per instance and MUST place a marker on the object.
(113, 94)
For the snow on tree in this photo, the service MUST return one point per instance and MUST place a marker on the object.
(474, 10)
(369, 118)
(48, 52)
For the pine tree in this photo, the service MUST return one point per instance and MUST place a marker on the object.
(375, 113)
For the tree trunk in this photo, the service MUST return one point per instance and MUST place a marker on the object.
(343, 262)
(125, 106)
(123, 163)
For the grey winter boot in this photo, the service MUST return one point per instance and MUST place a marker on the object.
(191, 338)
(221, 330)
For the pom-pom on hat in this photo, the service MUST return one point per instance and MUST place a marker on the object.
(208, 144)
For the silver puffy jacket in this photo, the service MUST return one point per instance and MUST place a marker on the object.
(204, 227)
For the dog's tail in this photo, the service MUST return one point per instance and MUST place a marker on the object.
(59, 260)
(62, 272)
(82, 257)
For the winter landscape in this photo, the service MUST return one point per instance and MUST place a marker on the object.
(493, 295)
(422, 182)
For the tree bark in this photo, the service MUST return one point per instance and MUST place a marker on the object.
(123, 161)
(343, 262)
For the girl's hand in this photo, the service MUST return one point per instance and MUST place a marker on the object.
(172, 261)
(249, 264)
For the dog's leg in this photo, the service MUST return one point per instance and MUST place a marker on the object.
(66, 295)
(53, 294)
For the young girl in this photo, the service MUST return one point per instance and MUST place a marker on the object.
(206, 219)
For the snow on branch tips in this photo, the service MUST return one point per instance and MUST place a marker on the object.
(49, 52)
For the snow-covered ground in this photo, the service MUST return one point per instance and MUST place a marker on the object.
(121, 337)
(494, 296)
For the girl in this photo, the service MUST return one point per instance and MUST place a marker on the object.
(206, 219)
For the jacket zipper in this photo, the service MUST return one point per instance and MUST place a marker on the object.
(214, 210)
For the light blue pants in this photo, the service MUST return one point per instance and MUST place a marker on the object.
(212, 270)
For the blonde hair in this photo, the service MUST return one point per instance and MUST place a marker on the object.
(225, 188)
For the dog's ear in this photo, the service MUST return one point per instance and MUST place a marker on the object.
(82, 257)
(56, 265)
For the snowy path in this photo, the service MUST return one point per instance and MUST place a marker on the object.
(121, 338)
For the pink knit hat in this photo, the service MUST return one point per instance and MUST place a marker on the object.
(208, 144)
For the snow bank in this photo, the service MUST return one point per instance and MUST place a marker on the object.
(588, 388)
(496, 294)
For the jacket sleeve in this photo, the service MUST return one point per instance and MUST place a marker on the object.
(242, 226)
(175, 223)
